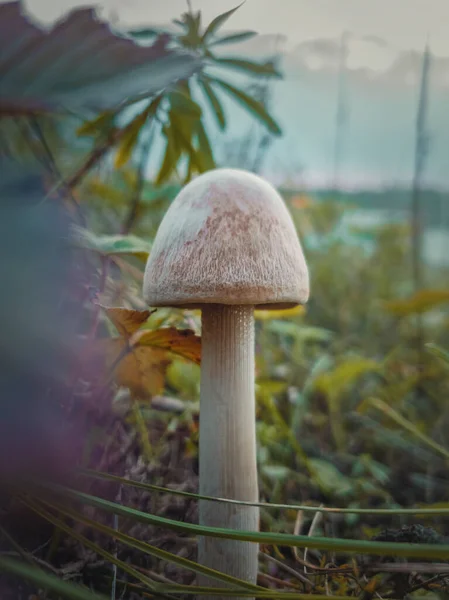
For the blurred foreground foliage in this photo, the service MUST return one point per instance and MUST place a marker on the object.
(351, 411)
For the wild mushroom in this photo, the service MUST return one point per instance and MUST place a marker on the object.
(227, 244)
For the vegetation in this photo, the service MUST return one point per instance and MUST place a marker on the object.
(352, 412)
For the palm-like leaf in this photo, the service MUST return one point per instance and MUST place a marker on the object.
(250, 104)
(214, 25)
(266, 69)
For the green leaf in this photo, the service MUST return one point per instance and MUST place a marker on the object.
(54, 76)
(182, 102)
(275, 315)
(180, 23)
(192, 38)
(272, 387)
(184, 130)
(300, 332)
(205, 153)
(252, 105)
(184, 377)
(336, 382)
(128, 140)
(215, 25)
(171, 156)
(215, 103)
(147, 32)
(109, 194)
(132, 131)
(94, 126)
(439, 352)
(234, 37)
(421, 302)
(268, 69)
(108, 245)
(276, 472)
(329, 478)
(408, 426)
(46, 581)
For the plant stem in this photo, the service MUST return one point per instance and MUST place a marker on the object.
(228, 466)
(138, 189)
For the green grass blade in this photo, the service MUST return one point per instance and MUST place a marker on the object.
(408, 426)
(437, 551)
(46, 581)
(359, 511)
(157, 552)
(436, 350)
(151, 585)
(210, 591)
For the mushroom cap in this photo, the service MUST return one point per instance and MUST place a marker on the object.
(227, 238)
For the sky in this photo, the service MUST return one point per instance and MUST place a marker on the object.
(403, 23)
(383, 75)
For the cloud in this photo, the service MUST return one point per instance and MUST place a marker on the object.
(376, 40)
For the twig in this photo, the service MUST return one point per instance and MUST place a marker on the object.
(439, 568)
(97, 307)
(19, 551)
(271, 579)
(427, 584)
(33, 560)
(96, 154)
(53, 167)
(296, 531)
(114, 565)
(316, 519)
(287, 569)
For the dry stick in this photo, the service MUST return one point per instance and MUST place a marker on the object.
(33, 560)
(439, 568)
(428, 583)
(53, 168)
(305, 563)
(296, 531)
(115, 553)
(96, 154)
(316, 519)
(287, 569)
(97, 306)
(92, 159)
(265, 578)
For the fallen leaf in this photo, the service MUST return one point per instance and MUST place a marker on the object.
(125, 320)
(142, 369)
(183, 342)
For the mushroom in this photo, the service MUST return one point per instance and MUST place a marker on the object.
(227, 244)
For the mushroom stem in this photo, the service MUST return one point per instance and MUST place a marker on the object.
(227, 447)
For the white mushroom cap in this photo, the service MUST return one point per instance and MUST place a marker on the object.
(227, 238)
